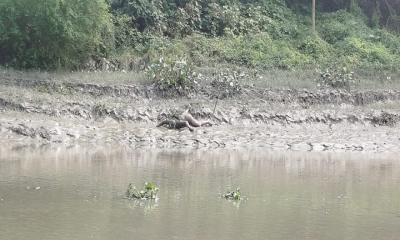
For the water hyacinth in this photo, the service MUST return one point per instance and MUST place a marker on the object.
(233, 195)
(148, 192)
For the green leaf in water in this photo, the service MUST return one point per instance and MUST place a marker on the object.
(149, 191)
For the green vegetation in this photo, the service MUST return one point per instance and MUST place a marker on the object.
(233, 195)
(53, 34)
(148, 192)
(256, 34)
(337, 78)
(176, 75)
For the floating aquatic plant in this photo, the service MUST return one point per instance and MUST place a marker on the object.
(233, 195)
(148, 192)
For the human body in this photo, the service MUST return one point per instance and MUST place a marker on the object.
(186, 120)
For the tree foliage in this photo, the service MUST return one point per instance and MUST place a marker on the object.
(53, 33)
(379, 12)
(257, 33)
(177, 18)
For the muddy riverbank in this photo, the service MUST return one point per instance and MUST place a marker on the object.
(35, 111)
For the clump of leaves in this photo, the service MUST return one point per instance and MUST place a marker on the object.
(338, 78)
(148, 192)
(233, 195)
(227, 84)
(176, 75)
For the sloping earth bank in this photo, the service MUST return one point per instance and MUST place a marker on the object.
(45, 112)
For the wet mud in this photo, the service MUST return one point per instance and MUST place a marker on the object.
(54, 112)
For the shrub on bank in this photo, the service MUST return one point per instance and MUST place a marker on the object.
(175, 76)
(337, 77)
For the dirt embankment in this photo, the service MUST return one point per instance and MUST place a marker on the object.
(75, 112)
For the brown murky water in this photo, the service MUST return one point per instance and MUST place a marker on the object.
(290, 195)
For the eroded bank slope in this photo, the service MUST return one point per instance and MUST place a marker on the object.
(56, 112)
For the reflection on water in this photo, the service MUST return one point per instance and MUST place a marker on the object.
(290, 195)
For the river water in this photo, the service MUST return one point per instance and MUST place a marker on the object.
(77, 193)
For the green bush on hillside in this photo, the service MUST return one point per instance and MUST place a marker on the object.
(368, 53)
(316, 48)
(53, 33)
(253, 33)
(337, 26)
(126, 36)
(267, 34)
(258, 50)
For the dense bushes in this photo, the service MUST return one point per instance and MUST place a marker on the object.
(53, 33)
(259, 33)
(210, 17)
(253, 33)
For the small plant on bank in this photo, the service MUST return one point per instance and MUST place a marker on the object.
(337, 78)
(227, 84)
(149, 191)
(175, 75)
(233, 195)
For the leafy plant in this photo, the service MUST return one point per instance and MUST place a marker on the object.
(337, 78)
(176, 75)
(337, 26)
(233, 195)
(150, 186)
(149, 191)
(316, 48)
(227, 84)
